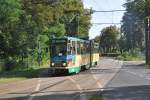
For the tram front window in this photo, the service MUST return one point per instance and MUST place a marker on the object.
(59, 50)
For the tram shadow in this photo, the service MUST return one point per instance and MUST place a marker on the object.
(48, 73)
(100, 71)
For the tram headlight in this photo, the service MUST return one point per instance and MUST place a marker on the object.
(52, 64)
(64, 64)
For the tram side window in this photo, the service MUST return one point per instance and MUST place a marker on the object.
(69, 49)
(88, 48)
(85, 48)
(78, 48)
(73, 47)
(82, 48)
(96, 48)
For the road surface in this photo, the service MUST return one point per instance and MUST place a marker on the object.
(114, 80)
(132, 82)
(72, 87)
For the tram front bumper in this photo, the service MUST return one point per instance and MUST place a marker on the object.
(58, 70)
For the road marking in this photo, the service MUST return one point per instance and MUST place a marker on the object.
(82, 95)
(36, 89)
(77, 85)
(137, 74)
(38, 86)
(148, 78)
(131, 72)
(98, 83)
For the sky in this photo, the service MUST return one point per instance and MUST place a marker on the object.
(109, 17)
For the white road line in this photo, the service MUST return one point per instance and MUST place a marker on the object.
(82, 95)
(77, 85)
(98, 83)
(148, 78)
(131, 72)
(137, 74)
(36, 89)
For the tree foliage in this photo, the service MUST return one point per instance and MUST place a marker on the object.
(133, 26)
(25, 22)
(109, 39)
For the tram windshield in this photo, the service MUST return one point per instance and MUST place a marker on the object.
(59, 49)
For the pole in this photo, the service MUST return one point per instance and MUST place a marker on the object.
(147, 40)
(109, 11)
(39, 52)
(78, 28)
(148, 48)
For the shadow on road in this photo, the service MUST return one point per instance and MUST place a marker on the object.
(111, 93)
(43, 72)
(127, 93)
(32, 73)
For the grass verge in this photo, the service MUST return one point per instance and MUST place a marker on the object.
(13, 76)
(96, 98)
(147, 65)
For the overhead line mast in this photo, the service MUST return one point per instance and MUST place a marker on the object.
(108, 11)
(105, 23)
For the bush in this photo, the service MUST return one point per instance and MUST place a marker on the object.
(131, 55)
(111, 54)
(9, 64)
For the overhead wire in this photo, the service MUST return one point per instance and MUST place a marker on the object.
(99, 6)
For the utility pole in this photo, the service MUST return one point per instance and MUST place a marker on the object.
(78, 28)
(39, 52)
(147, 40)
(108, 11)
(73, 22)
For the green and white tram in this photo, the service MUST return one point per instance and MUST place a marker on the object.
(71, 55)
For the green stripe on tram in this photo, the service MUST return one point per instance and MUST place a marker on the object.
(74, 70)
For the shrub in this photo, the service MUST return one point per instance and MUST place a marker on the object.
(9, 64)
(131, 55)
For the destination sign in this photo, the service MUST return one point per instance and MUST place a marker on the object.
(58, 41)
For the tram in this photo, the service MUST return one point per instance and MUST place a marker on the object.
(71, 55)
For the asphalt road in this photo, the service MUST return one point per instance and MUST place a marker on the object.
(132, 82)
(114, 80)
(71, 87)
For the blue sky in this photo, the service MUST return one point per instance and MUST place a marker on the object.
(101, 5)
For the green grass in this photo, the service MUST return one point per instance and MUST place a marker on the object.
(96, 98)
(21, 70)
(12, 76)
(147, 65)
(9, 80)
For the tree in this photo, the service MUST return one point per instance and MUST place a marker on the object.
(109, 39)
(132, 28)
(76, 18)
(142, 8)
(25, 22)
(10, 16)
